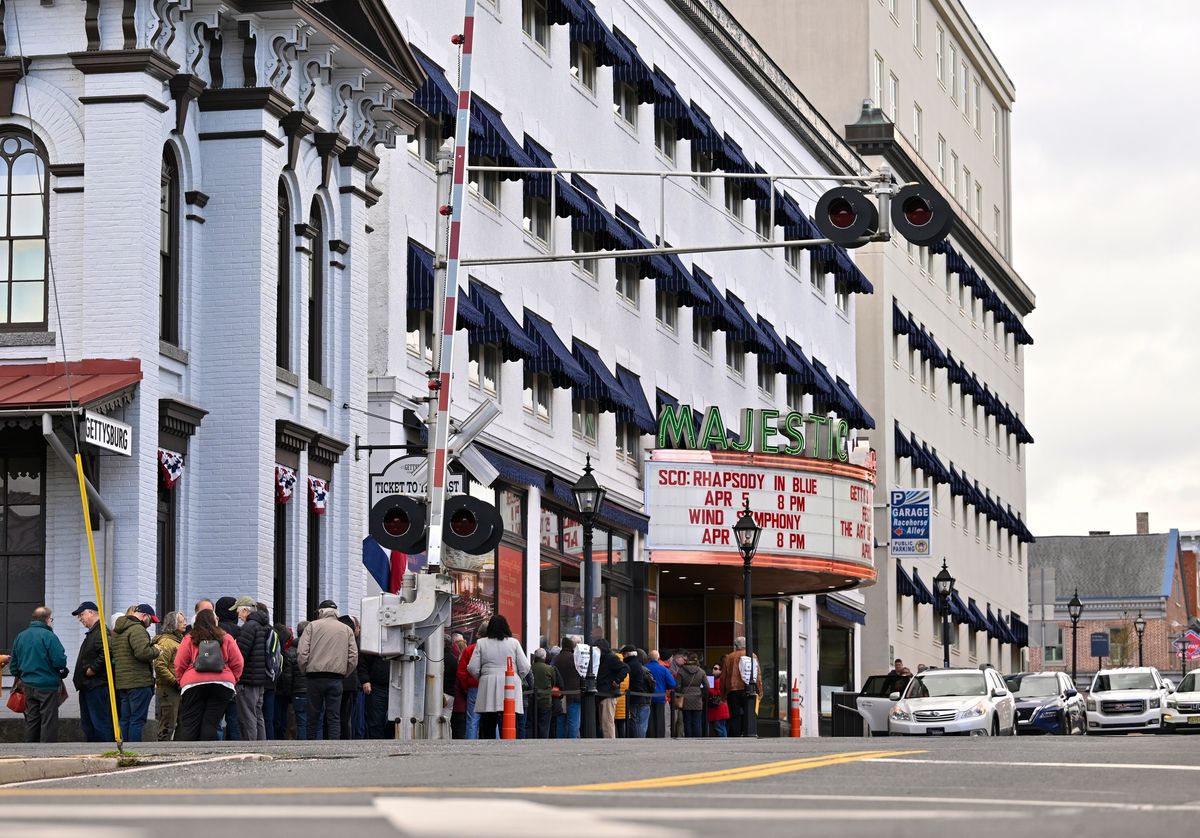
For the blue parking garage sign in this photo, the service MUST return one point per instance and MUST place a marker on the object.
(910, 530)
(1100, 644)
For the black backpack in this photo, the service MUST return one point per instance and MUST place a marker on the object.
(274, 656)
(209, 657)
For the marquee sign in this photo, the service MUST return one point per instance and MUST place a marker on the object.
(811, 511)
(764, 431)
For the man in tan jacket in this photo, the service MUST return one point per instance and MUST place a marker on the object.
(327, 654)
(733, 686)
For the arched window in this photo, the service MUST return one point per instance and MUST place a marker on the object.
(23, 236)
(316, 295)
(283, 284)
(168, 249)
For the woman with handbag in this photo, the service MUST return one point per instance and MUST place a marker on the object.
(208, 664)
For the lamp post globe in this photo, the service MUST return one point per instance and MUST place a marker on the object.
(1139, 625)
(943, 584)
(589, 496)
(1074, 611)
(746, 533)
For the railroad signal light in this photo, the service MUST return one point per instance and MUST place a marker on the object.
(472, 525)
(400, 523)
(921, 214)
(847, 217)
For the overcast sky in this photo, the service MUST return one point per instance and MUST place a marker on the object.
(1106, 190)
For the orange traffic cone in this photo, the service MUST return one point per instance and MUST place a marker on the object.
(796, 708)
(508, 726)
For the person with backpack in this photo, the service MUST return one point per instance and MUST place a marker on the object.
(641, 685)
(208, 665)
(166, 685)
(259, 647)
(693, 689)
(275, 651)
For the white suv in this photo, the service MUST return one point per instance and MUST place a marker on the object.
(939, 702)
(1125, 699)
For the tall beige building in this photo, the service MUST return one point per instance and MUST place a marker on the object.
(941, 343)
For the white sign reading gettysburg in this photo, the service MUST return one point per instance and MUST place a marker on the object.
(693, 506)
(406, 476)
(103, 432)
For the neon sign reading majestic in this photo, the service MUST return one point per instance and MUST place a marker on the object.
(803, 434)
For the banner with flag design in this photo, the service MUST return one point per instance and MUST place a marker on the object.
(171, 464)
(318, 495)
(285, 484)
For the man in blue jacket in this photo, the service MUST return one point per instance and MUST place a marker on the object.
(39, 660)
(663, 681)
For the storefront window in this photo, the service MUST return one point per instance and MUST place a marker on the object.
(512, 511)
(550, 535)
(766, 647)
(22, 532)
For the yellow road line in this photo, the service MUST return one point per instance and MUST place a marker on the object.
(730, 775)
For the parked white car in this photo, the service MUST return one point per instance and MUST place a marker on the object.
(1183, 707)
(1127, 698)
(874, 703)
(954, 701)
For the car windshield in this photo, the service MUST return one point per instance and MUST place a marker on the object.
(939, 684)
(1123, 681)
(1033, 686)
(1189, 684)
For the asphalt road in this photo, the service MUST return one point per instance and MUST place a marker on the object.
(1135, 785)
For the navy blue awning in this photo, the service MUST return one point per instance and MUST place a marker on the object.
(994, 629)
(797, 226)
(610, 233)
(901, 325)
(978, 621)
(737, 161)
(436, 96)
(639, 414)
(709, 139)
(552, 357)
(515, 471)
(834, 398)
(857, 415)
(680, 282)
(657, 266)
(568, 200)
(586, 27)
(846, 275)
(716, 308)
(904, 584)
(497, 141)
(675, 109)
(499, 325)
(809, 379)
(783, 359)
(610, 514)
(602, 386)
(1020, 631)
(958, 610)
(633, 70)
(420, 277)
(904, 449)
(839, 609)
(749, 332)
(923, 595)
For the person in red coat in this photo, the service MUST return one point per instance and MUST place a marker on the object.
(470, 684)
(718, 709)
(206, 695)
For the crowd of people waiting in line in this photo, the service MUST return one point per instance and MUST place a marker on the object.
(228, 673)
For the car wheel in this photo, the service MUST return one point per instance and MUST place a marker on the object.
(995, 731)
(1068, 727)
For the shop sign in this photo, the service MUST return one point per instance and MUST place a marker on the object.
(824, 512)
(766, 431)
(406, 476)
(107, 433)
(909, 533)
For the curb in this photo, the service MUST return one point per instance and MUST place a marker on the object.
(20, 769)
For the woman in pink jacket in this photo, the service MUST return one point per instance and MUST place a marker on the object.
(206, 695)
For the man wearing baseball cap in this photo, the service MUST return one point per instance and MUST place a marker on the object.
(89, 677)
(133, 673)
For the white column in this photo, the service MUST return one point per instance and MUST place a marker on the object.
(533, 570)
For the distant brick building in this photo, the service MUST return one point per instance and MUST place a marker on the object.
(1117, 577)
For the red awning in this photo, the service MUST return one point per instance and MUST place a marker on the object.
(94, 382)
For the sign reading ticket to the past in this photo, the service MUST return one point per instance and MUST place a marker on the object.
(909, 536)
(809, 510)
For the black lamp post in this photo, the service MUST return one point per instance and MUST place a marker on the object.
(1139, 625)
(589, 495)
(943, 583)
(747, 532)
(1074, 610)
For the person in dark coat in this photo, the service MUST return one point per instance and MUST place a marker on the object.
(252, 643)
(640, 681)
(291, 681)
(564, 662)
(545, 680)
(227, 622)
(40, 662)
(90, 677)
(609, 676)
(693, 687)
(374, 673)
(351, 688)
(269, 690)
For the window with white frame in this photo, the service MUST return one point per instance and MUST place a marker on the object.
(971, 642)
(979, 203)
(735, 355)
(954, 174)
(916, 24)
(896, 348)
(584, 241)
(793, 258)
(666, 310)
(583, 64)
(536, 220)
(419, 338)
(977, 106)
(965, 77)
(918, 125)
(795, 394)
(585, 419)
(625, 102)
(766, 378)
(953, 74)
(483, 368)
(962, 402)
(629, 284)
(702, 332)
(893, 9)
(893, 97)
(996, 224)
(702, 161)
(535, 22)
(425, 141)
(924, 374)
(912, 362)
(762, 220)
(899, 611)
(629, 442)
(538, 396)
(916, 617)
(486, 185)
(664, 137)
(967, 189)
(816, 276)
(995, 132)
(939, 50)
(941, 158)
(841, 299)
(878, 81)
(734, 196)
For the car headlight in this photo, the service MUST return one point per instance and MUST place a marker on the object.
(974, 711)
(1046, 710)
(1154, 703)
(1091, 704)
(1172, 703)
(901, 715)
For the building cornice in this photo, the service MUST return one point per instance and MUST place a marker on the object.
(956, 14)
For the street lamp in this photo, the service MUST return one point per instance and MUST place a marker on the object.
(589, 495)
(1074, 610)
(943, 583)
(747, 532)
(1139, 625)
